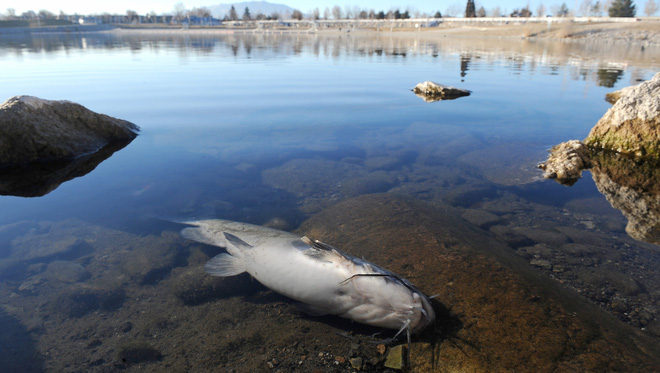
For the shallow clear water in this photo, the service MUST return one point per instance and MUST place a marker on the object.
(260, 127)
(206, 104)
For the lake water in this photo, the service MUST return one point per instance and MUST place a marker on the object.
(273, 129)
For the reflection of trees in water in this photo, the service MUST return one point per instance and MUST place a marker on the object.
(608, 77)
(465, 65)
(583, 62)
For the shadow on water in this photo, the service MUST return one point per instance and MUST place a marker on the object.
(18, 351)
(37, 179)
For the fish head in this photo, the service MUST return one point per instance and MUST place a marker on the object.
(424, 314)
(391, 302)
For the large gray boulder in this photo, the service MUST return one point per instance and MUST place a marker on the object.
(33, 129)
(632, 125)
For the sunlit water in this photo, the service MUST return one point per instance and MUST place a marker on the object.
(261, 127)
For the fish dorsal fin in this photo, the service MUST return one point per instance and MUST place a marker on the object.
(321, 250)
(316, 244)
(237, 242)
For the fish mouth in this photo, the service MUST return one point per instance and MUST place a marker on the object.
(427, 315)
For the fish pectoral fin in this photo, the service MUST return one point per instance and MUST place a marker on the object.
(224, 265)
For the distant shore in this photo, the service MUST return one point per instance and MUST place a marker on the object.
(644, 32)
(639, 33)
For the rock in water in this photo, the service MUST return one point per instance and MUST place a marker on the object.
(33, 129)
(566, 162)
(431, 91)
(632, 125)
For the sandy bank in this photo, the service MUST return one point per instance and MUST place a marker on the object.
(643, 33)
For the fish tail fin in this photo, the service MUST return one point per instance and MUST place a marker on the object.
(224, 265)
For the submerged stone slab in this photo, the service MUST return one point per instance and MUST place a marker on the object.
(632, 125)
(431, 92)
(34, 129)
(495, 312)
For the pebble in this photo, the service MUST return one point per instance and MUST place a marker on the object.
(356, 363)
(545, 264)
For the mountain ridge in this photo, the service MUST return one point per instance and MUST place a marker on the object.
(255, 7)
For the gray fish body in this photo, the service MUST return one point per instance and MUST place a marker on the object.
(318, 275)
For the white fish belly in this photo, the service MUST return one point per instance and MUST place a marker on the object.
(305, 279)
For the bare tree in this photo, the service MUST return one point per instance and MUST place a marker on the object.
(45, 14)
(540, 10)
(453, 10)
(348, 12)
(202, 12)
(297, 15)
(357, 11)
(481, 12)
(316, 14)
(326, 13)
(132, 16)
(30, 14)
(179, 11)
(585, 8)
(11, 13)
(650, 8)
(336, 12)
(495, 12)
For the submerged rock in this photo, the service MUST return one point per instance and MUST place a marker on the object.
(33, 129)
(632, 125)
(139, 351)
(431, 92)
(495, 312)
(81, 299)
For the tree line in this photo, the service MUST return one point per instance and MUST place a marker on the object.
(612, 8)
(588, 8)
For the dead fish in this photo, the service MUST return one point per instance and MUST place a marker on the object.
(316, 274)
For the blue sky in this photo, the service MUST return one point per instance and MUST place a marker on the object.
(166, 6)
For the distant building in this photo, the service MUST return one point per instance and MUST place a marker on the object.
(89, 21)
(201, 21)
